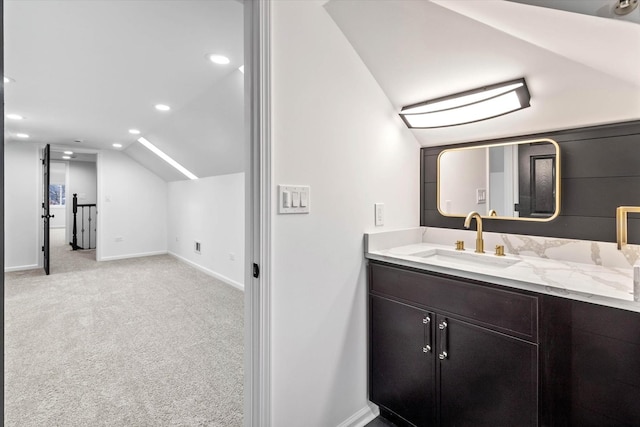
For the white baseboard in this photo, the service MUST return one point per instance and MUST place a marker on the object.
(211, 273)
(127, 256)
(22, 268)
(361, 418)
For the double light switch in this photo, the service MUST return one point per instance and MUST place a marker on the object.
(293, 199)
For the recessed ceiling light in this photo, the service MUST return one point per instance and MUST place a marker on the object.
(162, 107)
(66, 157)
(22, 135)
(14, 117)
(116, 145)
(134, 131)
(241, 68)
(68, 152)
(219, 59)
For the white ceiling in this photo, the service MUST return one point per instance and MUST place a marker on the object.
(90, 70)
(581, 70)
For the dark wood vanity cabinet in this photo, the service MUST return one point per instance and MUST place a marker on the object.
(513, 358)
(451, 353)
(605, 366)
(402, 372)
(487, 378)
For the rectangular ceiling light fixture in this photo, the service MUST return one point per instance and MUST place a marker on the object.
(468, 107)
(166, 158)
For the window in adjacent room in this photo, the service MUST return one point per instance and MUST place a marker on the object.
(57, 195)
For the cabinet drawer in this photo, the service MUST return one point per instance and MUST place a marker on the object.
(509, 312)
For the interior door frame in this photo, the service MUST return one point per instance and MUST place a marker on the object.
(257, 363)
(2, 174)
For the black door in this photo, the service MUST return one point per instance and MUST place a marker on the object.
(536, 180)
(45, 204)
(485, 378)
(401, 366)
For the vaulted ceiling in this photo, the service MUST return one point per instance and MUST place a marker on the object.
(90, 70)
(581, 70)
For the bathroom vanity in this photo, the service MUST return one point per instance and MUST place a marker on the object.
(463, 339)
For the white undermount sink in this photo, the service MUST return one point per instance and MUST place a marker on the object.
(467, 257)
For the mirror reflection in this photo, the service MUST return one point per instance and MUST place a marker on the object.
(514, 180)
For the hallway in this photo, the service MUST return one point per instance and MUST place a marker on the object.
(143, 341)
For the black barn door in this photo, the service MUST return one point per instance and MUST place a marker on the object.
(46, 215)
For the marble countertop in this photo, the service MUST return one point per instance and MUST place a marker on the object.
(586, 271)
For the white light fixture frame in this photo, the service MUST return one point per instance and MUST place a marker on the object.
(158, 152)
(468, 107)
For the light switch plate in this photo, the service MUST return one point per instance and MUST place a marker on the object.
(481, 195)
(300, 199)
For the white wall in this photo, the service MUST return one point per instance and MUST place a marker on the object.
(335, 130)
(462, 172)
(132, 210)
(211, 211)
(503, 180)
(22, 198)
(82, 181)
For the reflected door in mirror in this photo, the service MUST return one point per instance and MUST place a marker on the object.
(537, 165)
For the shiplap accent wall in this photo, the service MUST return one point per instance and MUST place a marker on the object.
(600, 171)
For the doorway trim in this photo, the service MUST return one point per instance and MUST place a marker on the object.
(2, 174)
(257, 363)
(98, 154)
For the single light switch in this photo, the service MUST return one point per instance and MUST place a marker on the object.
(379, 214)
(286, 199)
(304, 199)
(295, 199)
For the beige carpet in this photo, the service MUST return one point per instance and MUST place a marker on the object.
(140, 342)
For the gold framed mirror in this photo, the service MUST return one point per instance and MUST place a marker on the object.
(517, 180)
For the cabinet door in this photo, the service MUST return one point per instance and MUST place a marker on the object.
(485, 378)
(401, 366)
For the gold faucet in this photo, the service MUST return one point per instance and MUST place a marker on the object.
(621, 223)
(479, 239)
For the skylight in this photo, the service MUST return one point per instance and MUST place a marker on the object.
(166, 158)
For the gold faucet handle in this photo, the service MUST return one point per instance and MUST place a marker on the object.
(460, 245)
(499, 250)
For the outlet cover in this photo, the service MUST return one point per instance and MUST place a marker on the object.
(197, 247)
